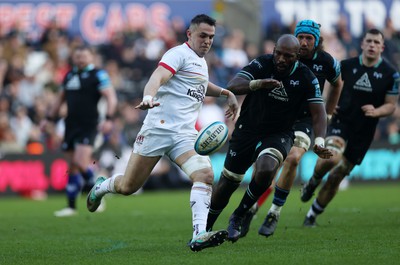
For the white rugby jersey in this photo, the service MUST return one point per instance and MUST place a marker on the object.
(182, 96)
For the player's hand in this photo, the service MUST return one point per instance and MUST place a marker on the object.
(322, 152)
(147, 103)
(233, 106)
(369, 111)
(267, 83)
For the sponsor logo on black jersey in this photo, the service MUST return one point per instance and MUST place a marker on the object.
(73, 83)
(198, 93)
(363, 83)
(279, 93)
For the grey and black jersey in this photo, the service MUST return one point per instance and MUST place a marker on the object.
(365, 85)
(270, 111)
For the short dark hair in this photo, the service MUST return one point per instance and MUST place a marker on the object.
(373, 31)
(203, 18)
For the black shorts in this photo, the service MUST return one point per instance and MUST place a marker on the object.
(304, 125)
(357, 144)
(245, 147)
(75, 135)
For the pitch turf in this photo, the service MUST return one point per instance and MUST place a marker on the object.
(361, 226)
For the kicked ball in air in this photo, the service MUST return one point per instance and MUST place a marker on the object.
(211, 138)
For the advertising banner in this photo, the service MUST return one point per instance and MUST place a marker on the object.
(49, 172)
(96, 20)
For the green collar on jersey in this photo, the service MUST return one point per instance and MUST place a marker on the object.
(375, 66)
(86, 69)
(294, 67)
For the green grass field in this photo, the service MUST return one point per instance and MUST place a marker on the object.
(361, 226)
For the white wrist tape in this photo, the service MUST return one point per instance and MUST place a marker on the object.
(147, 98)
(319, 141)
(329, 116)
(255, 84)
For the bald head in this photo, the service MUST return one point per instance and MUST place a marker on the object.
(289, 42)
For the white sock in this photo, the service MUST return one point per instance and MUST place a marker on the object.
(107, 186)
(200, 199)
(315, 209)
(275, 209)
(311, 213)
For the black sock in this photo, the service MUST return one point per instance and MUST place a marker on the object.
(221, 194)
(253, 192)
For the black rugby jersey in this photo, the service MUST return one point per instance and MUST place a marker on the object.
(269, 111)
(364, 85)
(324, 67)
(82, 94)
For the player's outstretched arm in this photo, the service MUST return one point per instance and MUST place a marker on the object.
(233, 105)
(242, 86)
(159, 77)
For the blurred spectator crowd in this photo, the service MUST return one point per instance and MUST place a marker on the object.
(31, 72)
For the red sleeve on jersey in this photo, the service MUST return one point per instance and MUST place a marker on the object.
(166, 66)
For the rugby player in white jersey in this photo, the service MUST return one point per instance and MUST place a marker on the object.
(173, 97)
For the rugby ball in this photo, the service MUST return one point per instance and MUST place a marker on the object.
(211, 138)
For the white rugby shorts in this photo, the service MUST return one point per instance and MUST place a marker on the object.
(158, 142)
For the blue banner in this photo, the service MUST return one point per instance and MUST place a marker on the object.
(96, 21)
(329, 13)
(378, 164)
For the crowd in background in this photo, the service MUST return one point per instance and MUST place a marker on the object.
(31, 72)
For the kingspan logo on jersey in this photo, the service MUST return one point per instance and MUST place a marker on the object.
(73, 83)
(363, 83)
(198, 93)
(279, 93)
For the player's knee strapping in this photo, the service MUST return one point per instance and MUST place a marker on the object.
(302, 140)
(273, 153)
(194, 163)
(334, 144)
(232, 176)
